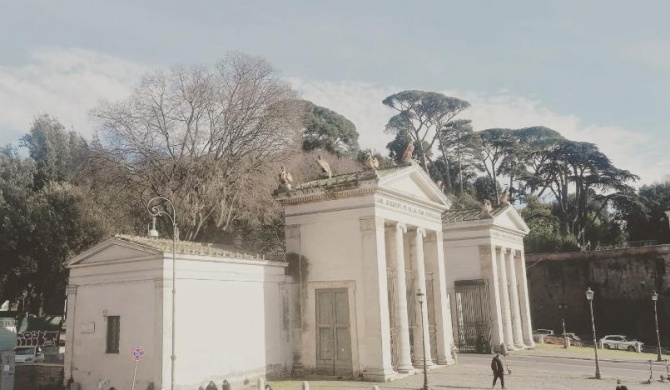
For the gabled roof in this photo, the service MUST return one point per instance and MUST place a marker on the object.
(503, 216)
(406, 181)
(465, 215)
(134, 246)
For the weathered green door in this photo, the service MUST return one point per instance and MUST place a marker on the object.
(333, 341)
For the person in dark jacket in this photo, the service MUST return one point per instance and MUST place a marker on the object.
(498, 371)
(620, 386)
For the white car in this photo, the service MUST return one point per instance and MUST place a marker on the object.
(29, 355)
(620, 342)
(547, 332)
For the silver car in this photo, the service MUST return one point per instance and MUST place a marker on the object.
(29, 355)
(620, 342)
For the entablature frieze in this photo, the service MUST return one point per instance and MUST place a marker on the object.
(407, 208)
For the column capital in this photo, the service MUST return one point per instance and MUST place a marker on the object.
(421, 232)
(512, 252)
(503, 250)
(401, 227)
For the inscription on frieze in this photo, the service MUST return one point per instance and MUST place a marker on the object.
(507, 236)
(406, 207)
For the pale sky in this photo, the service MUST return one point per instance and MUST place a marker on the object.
(596, 71)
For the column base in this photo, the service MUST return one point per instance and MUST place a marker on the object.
(406, 369)
(419, 364)
(510, 347)
(520, 346)
(379, 374)
(445, 361)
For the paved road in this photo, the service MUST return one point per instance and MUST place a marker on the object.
(528, 373)
(629, 370)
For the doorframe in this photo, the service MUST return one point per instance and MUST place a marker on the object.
(309, 323)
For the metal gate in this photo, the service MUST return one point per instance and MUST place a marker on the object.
(473, 315)
(333, 340)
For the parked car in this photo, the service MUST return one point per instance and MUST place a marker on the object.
(572, 336)
(621, 342)
(543, 331)
(575, 340)
(29, 355)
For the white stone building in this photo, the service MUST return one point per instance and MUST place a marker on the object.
(359, 247)
(486, 274)
(228, 318)
(368, 242)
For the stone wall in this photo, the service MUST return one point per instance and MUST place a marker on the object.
(38, 376)
(622, 279)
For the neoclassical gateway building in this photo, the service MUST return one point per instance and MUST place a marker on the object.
(379, 273)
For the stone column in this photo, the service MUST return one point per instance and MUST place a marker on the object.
(375, 339)
(423, 332)
(402, 319)
(526, 326)
(489, 266)
(514, 297)
(434, 256)
(504, 297)
(72, 331)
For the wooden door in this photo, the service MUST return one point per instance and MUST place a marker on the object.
(333, 340)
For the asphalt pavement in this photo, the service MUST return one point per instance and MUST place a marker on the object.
(542, 369)
(631, 371)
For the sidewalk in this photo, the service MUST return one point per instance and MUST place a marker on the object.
(471, 377)
(478, 376)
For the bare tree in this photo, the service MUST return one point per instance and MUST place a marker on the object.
(202, 137)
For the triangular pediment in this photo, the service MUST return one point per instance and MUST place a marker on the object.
(113, 249)
(509, 218)
(413, 182)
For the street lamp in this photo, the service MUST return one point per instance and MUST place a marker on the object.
(654, 297)
(564, 306)
(589, 297)
(156, 208)
(420, 296)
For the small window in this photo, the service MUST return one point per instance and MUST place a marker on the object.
(113, 333)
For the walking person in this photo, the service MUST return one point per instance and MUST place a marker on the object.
(498, 371)
(620, 386)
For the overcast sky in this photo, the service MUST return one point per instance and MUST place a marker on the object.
(597, 72)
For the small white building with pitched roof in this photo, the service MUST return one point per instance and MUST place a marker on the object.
(228, 317)
(486, 272)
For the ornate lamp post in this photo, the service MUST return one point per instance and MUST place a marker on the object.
(157, 207)
(654, 297)
(589, 297)
(564, 307)
(420, 295)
